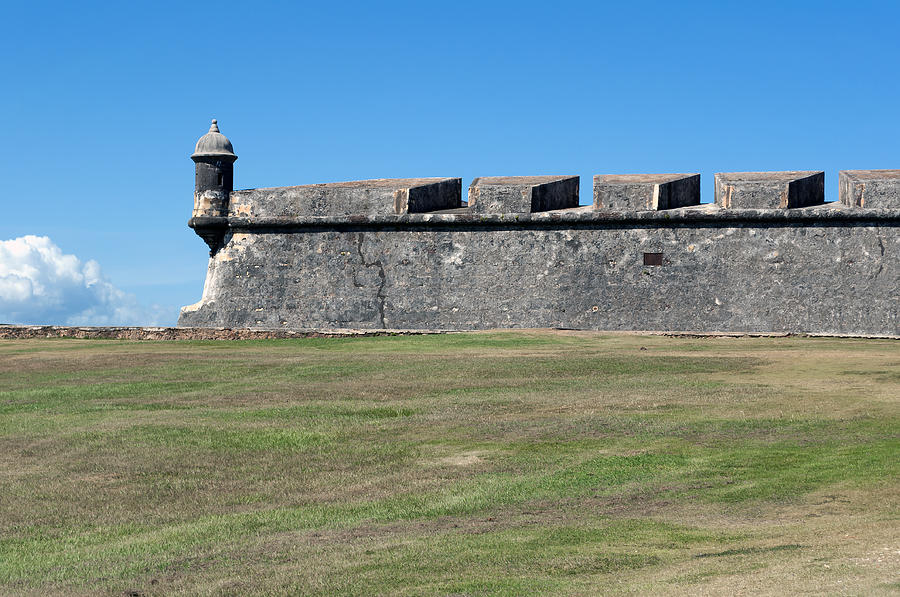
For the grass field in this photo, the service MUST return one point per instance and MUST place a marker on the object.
(500, 463)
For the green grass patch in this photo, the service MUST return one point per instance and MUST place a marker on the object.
(504, 463)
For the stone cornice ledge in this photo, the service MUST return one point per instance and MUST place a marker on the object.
(576, 216)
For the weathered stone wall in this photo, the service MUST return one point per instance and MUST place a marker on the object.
(820, 269)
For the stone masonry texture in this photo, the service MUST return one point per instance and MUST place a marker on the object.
(870, 188)
(769, 190)
(357, 199)
(646, 191)
(522, 194)
(286, 264)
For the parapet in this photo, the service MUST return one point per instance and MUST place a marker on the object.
(769, 190)
(636, 192)
(870, 188)
(356, 198)
(643, 200)
(522, 194)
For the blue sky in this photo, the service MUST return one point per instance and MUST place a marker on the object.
(102, 103)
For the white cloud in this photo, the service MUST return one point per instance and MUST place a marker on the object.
(39, 284)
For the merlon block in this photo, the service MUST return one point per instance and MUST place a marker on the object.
(769, 190)
(640, 192)
(870, 188)
(355, 198)
(522, 194)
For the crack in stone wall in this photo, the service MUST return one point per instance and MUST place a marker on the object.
(379, 293)
(881, 248)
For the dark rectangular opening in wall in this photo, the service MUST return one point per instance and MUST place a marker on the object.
(653, 258)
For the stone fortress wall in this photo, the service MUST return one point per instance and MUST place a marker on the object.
(768, 256)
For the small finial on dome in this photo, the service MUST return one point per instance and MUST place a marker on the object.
(214, 144)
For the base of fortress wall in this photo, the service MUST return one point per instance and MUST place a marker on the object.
(831, 278)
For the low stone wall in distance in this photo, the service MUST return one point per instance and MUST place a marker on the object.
(21, 332)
